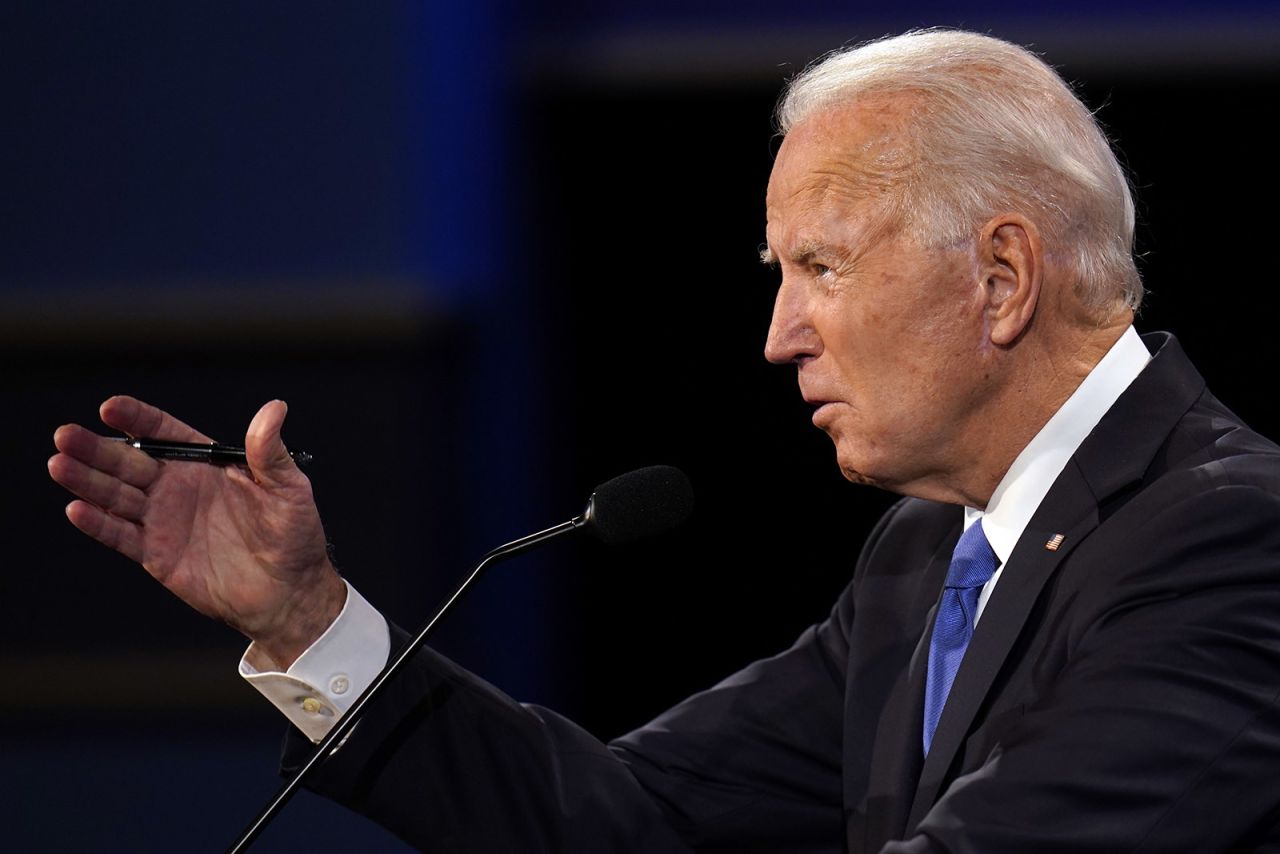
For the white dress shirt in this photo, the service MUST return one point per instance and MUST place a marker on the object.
(326, 679)
(1028, 480)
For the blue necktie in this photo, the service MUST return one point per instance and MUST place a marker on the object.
(972, 565)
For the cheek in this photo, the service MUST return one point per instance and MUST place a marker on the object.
(951, 341)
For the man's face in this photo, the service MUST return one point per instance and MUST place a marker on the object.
(887, 335)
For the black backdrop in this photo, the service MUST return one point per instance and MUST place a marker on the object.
(655, 214)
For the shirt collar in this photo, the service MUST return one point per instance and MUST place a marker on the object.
(1032, 474)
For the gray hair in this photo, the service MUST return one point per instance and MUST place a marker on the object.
(998, 130)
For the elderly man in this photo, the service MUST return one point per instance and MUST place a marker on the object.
(1086, 657)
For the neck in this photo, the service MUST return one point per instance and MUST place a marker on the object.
(1038, 374)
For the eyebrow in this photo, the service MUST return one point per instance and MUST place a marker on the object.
(804, 253)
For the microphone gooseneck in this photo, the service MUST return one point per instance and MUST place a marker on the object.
(634, 505)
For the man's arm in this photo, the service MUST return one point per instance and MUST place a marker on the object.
(445, 760)
(450, 763)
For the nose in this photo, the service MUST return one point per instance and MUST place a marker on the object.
(791, 337)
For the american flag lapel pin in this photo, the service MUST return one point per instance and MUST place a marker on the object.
(1053, 542)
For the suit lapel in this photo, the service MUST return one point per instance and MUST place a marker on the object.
(1031, 565)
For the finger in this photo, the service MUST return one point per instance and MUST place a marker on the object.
(269, 460)
(115, 458)
(120, 534)
(132, 416)
(98, 488)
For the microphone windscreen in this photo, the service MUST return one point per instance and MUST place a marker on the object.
(639, 504)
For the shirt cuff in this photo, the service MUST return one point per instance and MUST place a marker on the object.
(326, 679)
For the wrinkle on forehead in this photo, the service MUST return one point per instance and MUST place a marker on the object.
(845, 157)
(828, 212)
(839, 176)
(865, 142)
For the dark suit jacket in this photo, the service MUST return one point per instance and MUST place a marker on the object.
(1119, 694)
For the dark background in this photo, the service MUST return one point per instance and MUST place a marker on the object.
(491, 257)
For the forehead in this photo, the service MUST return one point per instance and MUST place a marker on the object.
(842, 158)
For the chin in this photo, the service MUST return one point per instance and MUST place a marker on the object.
(861, 464)
(855, 471)
(855, 476)
(872, 456)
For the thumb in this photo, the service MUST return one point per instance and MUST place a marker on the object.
(269, 460)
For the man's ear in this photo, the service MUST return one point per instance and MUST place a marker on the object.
(1011, 261)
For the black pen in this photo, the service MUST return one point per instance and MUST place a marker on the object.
(212, 453)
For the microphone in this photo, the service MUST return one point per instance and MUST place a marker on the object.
(639, 504)
(631, 506)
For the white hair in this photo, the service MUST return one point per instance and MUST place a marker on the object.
(996, 130)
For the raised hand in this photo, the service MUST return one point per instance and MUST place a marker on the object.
(242, 545)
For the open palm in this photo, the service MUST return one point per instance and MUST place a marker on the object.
(243, 545)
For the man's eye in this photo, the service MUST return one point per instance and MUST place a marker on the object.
(820, 270)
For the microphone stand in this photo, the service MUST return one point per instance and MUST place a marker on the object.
(333, 740)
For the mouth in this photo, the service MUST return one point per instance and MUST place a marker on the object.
(813, 399)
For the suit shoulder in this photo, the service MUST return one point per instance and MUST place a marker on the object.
(1213, 488)
(1212, 448)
